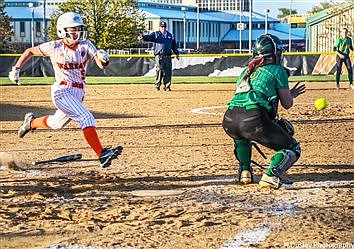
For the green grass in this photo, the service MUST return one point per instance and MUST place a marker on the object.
(4, 81)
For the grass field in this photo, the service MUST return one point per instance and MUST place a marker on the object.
(146, 80)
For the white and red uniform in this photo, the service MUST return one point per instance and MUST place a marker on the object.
(68, 90)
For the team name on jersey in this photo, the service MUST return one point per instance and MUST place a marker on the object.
(71, 65)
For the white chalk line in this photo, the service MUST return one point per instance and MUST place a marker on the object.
(202, 110)
(256, 236)
(246, 238)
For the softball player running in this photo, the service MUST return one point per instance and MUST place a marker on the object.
(69, 56)
(252, 112)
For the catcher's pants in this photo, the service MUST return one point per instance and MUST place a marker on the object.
(163, 70)
(255, 125)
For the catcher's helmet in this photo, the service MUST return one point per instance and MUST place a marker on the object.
(70, 20)
(267, 45)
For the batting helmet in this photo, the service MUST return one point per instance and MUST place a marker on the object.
(267, 45)
(70, 20)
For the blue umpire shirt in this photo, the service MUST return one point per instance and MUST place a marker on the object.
(164, 44)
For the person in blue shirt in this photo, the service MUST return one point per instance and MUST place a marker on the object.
(164, 46)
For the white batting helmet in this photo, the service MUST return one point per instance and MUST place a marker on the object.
(70, 20)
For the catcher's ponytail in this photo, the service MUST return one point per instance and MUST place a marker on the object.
(255, 63)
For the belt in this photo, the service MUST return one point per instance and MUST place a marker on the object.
(247, 107)
(73, 84)
(164, 55)
(250, 107)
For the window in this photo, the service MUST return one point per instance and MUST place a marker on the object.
(38, 29)
(149, 27)
(22, 29)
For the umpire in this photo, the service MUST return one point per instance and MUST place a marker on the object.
(164, 46)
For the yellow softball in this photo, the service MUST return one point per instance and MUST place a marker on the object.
(320, 104)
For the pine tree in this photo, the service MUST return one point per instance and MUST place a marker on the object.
(5, 31)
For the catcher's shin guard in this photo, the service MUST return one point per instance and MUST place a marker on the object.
(283, 160)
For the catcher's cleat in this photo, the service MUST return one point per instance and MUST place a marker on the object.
(26, 125)
(352, 86)
(246, 177)
(107, 155)
(270, 182)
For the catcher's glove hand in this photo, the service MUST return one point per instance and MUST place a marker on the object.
(103, 56)
(14, 75)
(286, 126)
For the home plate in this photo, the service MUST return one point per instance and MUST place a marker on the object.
(163, 192)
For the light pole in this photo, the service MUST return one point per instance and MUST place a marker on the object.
(250, 28)
(198, 25)
(266, 11)
(291, 6)
(44, 21)
(241, 28)
(184, 27)
(30, 5)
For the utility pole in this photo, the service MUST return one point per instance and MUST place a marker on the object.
(266, 11)
(291, 6)
(250, 28)
(44, 33)
(198, 25)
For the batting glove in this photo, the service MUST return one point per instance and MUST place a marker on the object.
(14, 75)
(103, 56)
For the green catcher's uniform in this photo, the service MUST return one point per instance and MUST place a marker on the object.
(250, 117)
(265, 81)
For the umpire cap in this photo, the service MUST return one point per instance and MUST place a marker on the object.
(163, 24)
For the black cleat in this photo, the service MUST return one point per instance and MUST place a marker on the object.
(107, 155)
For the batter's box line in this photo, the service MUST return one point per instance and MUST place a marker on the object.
(204, 110)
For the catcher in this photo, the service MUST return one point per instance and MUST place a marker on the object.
(252, 113)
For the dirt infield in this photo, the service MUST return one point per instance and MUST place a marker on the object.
(174, 186)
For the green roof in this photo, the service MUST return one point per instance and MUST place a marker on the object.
(327, 13)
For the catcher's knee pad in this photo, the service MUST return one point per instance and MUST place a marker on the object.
(284, 159)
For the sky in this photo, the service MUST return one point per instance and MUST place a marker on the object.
(301, 6)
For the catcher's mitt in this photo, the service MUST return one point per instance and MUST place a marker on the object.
(286, 126)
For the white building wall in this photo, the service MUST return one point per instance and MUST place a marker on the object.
(323, 35)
